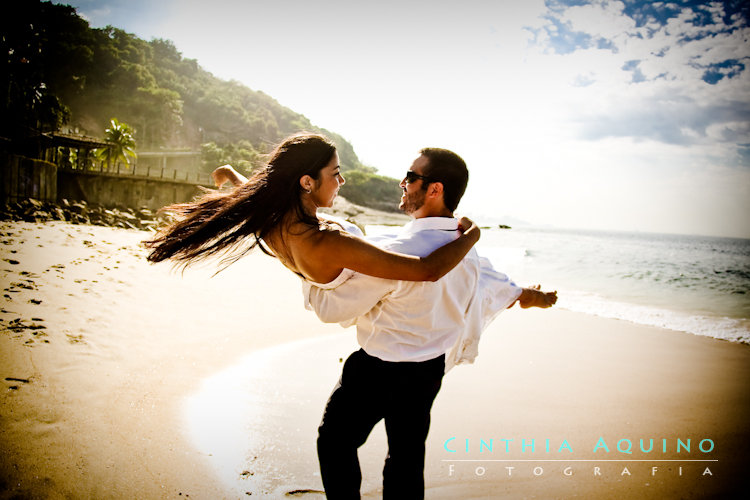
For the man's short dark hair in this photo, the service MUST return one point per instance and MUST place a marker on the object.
(450, 170)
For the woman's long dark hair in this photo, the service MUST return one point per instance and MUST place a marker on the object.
(224, 221)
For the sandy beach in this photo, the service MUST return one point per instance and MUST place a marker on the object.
(123, 379)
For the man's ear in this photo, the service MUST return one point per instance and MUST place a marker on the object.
(435, 190)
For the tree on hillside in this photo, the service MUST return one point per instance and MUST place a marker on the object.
(371, 190)
(120, 136)
(61, 74)
(30, 78)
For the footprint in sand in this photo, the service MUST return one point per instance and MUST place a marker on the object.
(19, 284)
(39, 334)
(75, 339)
(16, 379)
(28, 285)
(18, 325)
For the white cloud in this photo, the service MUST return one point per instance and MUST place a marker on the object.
(672, 103)
(600, 20)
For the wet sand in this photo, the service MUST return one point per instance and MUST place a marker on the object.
(556, 406)
(127, 380)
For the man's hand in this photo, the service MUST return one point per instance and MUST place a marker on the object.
(535, 297)
(226, 173)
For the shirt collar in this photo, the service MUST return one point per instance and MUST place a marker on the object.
(436, 223)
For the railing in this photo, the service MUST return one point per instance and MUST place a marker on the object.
(146, 172)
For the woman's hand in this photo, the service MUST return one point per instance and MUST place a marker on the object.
(226, 173)
(464, 223)
(469, 228)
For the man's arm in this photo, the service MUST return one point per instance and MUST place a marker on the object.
(501, 293)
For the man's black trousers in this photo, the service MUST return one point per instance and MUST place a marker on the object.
(369, 390)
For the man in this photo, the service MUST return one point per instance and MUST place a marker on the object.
(410, 333)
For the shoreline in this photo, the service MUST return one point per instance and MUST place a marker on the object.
(100, 352)
(364, 216)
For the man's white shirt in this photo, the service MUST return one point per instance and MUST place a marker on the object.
(417, 320)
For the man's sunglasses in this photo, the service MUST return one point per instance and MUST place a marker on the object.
(412, 176)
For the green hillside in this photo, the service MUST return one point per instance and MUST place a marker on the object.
(61, 74)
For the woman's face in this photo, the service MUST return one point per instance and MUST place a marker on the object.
(328, 183)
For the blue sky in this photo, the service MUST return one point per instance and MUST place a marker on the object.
(587, 114)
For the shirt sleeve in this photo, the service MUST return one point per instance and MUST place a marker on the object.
(495, 293)
(349, 300)
(497, 290)
(345, 224)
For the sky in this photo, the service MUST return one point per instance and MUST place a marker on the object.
(569, 113)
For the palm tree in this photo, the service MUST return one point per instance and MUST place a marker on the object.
(120, 136)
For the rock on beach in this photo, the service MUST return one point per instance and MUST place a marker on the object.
(80, 212)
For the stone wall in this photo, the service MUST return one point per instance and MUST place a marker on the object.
(24, 178)
(110, 190)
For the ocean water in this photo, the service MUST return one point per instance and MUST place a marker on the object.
(694, 284)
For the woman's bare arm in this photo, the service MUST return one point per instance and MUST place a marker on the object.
(336, 250)
(227, 173)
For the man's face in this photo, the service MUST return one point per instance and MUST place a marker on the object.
(413, 196)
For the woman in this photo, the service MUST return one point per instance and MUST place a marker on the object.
(277, 208)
